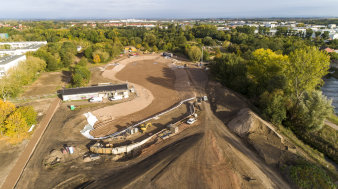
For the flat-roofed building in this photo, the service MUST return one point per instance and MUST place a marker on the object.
(84, 93)
(19, 48)
(23, 44)
(9, 62)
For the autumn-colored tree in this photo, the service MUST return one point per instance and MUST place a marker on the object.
(16, 125)
(6, 108)
(28, 113)
(97, 58)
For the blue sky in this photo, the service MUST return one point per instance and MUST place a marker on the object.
(53, 9)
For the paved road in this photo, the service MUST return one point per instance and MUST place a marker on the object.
(20, 165)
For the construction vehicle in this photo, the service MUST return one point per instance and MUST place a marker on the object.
(144, 127)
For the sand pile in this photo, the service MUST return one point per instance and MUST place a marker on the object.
(260, 134)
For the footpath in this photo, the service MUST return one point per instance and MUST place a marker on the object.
(15, 174)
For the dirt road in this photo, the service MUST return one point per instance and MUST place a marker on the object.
(155, 84)
(204, 156)
(210, 156)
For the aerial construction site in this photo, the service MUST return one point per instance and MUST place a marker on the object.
(156, 122)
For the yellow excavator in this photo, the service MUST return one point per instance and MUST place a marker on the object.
(144, 127)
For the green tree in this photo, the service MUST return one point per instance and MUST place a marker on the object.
(83, 62)
(266, 70)
(311, 112)
(195, 53)
(273, 106)
(309, 176)
(150, 39)
(305, 70)
(28, 113)
(309, 33)
(88, 52)
(231, 71)
(208, 41)
(80, 76)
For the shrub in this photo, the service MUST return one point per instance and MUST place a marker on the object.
(306, 175)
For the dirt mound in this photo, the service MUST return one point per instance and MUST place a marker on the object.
(261, 135)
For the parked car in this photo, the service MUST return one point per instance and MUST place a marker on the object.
(112, 98)
(191, 121)
(96, 99)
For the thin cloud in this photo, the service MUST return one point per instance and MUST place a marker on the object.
(165, 8)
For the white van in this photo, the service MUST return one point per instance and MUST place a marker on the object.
(116, 97)
(96, 99)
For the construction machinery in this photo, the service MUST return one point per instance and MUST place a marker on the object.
(144, 127)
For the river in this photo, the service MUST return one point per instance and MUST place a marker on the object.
(330, 89)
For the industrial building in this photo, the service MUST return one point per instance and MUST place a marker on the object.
(84, 93)
(9, 62)
(19, 48)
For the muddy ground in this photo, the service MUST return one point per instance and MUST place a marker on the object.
(205, 156)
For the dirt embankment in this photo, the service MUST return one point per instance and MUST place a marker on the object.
(270, 145)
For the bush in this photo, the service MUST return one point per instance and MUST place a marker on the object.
(104, 56)
(80, 76)
(306, 175)
(311, 112)
(83, 62)
(194, 53)
(325, 140)
(273, 106)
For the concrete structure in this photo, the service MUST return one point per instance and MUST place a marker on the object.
(9, 62)
(84, 93)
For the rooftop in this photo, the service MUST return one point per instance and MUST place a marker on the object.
(8, 59)
(93, 89)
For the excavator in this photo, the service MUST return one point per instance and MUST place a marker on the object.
(144, 127)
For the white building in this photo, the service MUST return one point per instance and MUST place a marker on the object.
(9, 62)
(23, 44)
(19, 48)
(105, 91)
(334, 36)
(332, 26)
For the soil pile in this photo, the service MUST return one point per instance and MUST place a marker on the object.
(261, 135)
